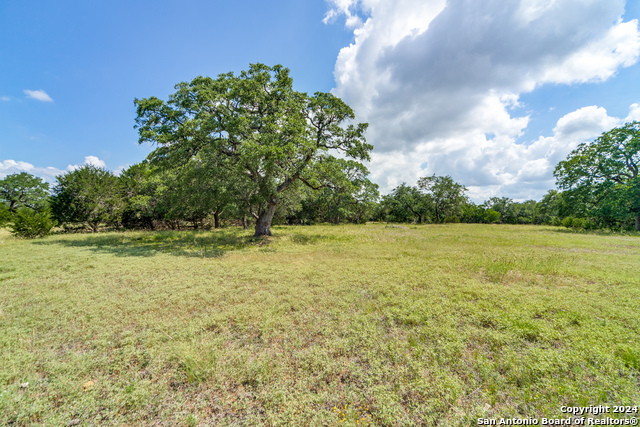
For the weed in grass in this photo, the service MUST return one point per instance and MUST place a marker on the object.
(629, 356)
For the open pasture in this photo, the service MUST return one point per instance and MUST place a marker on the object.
(320, 325)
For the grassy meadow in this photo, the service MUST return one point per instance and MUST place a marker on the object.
(322, 325)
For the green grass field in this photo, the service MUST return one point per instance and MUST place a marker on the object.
(322, 325)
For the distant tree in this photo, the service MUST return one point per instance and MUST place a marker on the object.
(365, 198)
(346, 194)
(406, 203)
(603, 174)
(552, 208)
(525, 212)
(269, 133)
(23, 189)
(491, 216)
(138, 184)
(472, 213)
(505, 207)
(89, 195)
(448, 197)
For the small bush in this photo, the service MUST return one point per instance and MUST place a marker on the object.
(492, 216)
(452, 220)
(524, 220)
(577, 223)
(5, 214)
(555, 221)
(30, 224)
(567, 222)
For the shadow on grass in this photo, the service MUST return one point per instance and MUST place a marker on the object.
(597, 231)
(306, 239)
(203, 244)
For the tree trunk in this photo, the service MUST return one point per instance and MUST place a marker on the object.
(638, 222)
(244, 222)
(263, 224)
(216, 219)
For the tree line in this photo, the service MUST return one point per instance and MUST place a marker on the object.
(192, 196)
(248, 149)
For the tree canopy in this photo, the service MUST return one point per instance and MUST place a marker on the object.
(406, 203)
(603, 174)
(447, 196)
(249, 145)
(88, 195)
(23, 190)
(258, 128)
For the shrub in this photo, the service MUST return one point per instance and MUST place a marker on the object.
(30, 224)
(524, 220)
(567, 222)
(5, 214)
(452, 220)
(577, 222)
(555, 221)
(491, 216)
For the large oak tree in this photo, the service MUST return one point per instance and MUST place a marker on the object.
(604, 173)
(264, 130)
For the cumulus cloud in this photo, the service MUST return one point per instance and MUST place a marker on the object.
(88, 160)
(9, 167)
(94, 161)
(439, 82)
(39, 95)
(497, 166)
(49, 173)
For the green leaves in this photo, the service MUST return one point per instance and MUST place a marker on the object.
(5, 214)
(257, 125)
(30, 224)
(23, 190)
(446, 194)
(603, 174)
(88, 194)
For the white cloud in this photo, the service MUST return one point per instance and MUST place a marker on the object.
(94, 161)
(49, 173)
(39, 95)
(496, 166)
(634, 113)
(5, 98)
(9, 167)
(439, 82)
(599, 59)
(88, 160)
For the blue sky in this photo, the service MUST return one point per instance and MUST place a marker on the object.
(494, 96)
